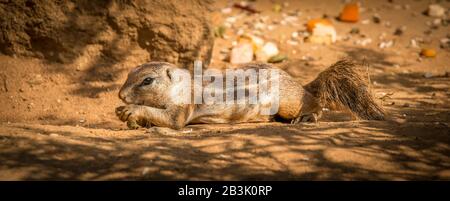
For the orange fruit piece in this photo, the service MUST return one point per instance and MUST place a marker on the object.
(312, 23)
(428, 52)
(350, 13)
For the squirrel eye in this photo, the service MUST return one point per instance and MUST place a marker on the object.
(147, 81)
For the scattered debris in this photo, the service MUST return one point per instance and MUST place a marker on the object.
(277, 8)
(428, 75)
(354, 30)
(289, 20)
(363, 42)
(435, 10)
(249, 46)
(257, 42)
(226, 10)
(445, 43)
(365, 22)
(219, 31)
(229, 21)
(269, 50)
(399, 31)
(436, 23)
(413, 43)
(350, 13)
(259, 26)
(277, 58)
(376, 19)
(386, 44)
(145, 171)
(244, 6)
(242, 53)
(322, 32)
(314, 22)
(428, 52)
(224, 54)
(292, 42)
(307, 58)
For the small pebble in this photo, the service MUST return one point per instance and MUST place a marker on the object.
(437, 22)
(365, 22)
(399, 31)
(277, 59)
(386, 44)
(226, 10)
(376, 19)
(413, 43)
(428, 75)
(436, 10)
(354, 30)
(145, 171)
(445, 43)
(277, 8)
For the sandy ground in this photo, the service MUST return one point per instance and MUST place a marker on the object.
(57, 122)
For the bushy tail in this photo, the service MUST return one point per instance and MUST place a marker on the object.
(343, 86)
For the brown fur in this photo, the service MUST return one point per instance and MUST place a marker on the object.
(343, 86)
(340, 86)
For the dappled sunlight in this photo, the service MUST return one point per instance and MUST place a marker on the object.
(324, 151)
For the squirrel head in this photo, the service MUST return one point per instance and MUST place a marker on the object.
(148, 85)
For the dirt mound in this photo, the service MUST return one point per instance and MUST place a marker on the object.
(63, 31)
(68, 58)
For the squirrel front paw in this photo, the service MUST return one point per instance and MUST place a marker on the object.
(312, 117)
(133, 115)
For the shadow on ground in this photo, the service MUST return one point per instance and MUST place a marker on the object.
(325, 151)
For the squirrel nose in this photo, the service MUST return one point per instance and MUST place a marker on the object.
(125, 97)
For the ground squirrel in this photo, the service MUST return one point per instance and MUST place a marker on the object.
(150, 93)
